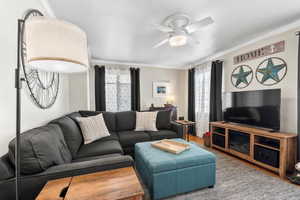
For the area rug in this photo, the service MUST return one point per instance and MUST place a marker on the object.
(238, 181)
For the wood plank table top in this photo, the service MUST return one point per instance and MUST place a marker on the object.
(185, 122)
(53, 189)
(117, 184)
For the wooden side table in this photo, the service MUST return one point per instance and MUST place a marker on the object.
(186, 124)
(117, 184)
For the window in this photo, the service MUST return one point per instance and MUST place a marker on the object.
(117, 89)
(202, 97)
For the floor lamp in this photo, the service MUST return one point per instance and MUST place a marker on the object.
(52, 45)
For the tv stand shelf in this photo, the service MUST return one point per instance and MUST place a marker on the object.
(275, 151)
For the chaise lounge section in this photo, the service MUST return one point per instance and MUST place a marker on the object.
(57, 150)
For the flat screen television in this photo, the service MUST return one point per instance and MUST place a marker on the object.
(259, 108)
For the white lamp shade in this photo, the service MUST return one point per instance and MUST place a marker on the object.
(55, 46)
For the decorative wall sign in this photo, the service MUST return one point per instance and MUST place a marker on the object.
(241, 76)
(161, 89)
(257, 53)
(271, 71)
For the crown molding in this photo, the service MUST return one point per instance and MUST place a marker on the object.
(274, 32)
(135, 64)
(48, 8)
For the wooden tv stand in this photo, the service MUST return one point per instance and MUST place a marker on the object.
(284, 145)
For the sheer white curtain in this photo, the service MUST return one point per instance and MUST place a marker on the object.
(117, 88)
(202, 97)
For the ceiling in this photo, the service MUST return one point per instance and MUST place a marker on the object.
(122, 30)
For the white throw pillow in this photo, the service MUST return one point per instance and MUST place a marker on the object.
(146, 121)
(92, 128)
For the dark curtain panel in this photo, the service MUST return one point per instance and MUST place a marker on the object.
(191, 99)
(298, 98)
(135, 89)
(215, 113)
(100, 88)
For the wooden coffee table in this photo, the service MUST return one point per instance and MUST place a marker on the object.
(117, 184)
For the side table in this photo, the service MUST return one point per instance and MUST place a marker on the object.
(186, 124)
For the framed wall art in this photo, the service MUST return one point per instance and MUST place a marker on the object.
(161, 88)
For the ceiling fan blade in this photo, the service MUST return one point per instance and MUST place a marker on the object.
(199, 24)
(161, 43)
(162, 28)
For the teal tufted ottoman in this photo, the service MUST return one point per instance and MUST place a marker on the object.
(166, 174)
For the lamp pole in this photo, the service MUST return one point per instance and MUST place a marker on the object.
(18, 86)
(77, 59)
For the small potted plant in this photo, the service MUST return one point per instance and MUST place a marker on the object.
(206, 138)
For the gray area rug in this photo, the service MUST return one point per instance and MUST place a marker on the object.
(238, 181)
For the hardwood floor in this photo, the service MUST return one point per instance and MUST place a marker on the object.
(200, 141)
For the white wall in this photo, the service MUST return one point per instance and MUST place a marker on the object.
(32, 116)
(176, 79)
(288, 85)
(78, 85)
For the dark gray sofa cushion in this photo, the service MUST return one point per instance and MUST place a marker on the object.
(74, 115)
(113, 136)
(41, 148)
(72, 133)
(6, 170)
(99, 147)
(109, 118)
(162, 134)
(163, 120)
(125, 120)
(130, 138)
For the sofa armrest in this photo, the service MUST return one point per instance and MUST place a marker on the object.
(178, 128)
(91, 166)
(31, 185)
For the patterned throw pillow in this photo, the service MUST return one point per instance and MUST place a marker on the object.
(146, 121)
(92, 128)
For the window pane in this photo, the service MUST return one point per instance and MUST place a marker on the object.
(124, 78)
(110, 78)
(111, 97)
(124, 97)
(118, 89)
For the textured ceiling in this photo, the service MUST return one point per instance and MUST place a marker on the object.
(122, 30)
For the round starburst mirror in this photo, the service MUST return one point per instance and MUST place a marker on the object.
(42, 86)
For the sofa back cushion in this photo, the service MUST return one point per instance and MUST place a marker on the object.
(125, 120)
(71, 132)
(41, 148)
(163, 120)
(109, 118)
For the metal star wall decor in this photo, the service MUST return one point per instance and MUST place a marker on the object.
(241, 76)
(271, 71)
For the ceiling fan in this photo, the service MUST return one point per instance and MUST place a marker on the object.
(179, 28)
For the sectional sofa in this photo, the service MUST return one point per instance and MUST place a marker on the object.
(56, 150)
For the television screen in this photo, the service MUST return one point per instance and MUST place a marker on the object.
(259, 108)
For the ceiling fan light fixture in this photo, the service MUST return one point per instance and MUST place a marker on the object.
(178, 40)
